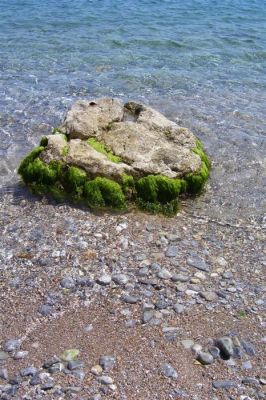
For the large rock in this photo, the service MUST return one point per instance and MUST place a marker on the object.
(105, 138)
(146, 141)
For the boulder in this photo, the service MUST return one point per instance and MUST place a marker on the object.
(105, 148)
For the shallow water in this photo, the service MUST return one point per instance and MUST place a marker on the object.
(202, 62)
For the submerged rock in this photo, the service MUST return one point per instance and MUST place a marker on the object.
(107, 154)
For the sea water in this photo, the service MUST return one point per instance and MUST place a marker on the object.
(201, 62)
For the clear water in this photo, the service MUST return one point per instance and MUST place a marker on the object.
(202, 62)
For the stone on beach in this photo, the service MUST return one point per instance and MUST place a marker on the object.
(110, 154)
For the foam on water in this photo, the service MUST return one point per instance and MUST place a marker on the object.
(202, 62)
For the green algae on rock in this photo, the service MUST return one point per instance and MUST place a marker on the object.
(110, 155)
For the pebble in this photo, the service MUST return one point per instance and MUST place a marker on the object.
(226, 347)
(46, 310)
(29, 371)
(3, 374)
(181, 287)
(168, 371)
(35, 380)
(250, 381)
(208, 296)
(68, 282)
(96, 370)
(187, 343)
(247, 365)
(147, 316)
(88, 328)
(196, 348)
(179, 393)
(120, 279)
(106, 362)
(19, 355)
(180, 278)
(179, 308)
(51, 362)
(249, 348)
(200, 275)
(224, 384)
(12, 345)
(104, 280)
(48, 385)
(74, 364)
(172, 251)
(78, 374)
(106, 380)
(69, 355)
(205, 358)
(127, 298)
(164, 274)
(198, 262)
(215, 352)
(3, 355)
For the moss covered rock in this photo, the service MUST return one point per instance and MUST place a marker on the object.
(110, 155)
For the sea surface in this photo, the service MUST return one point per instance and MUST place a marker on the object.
(201, 62)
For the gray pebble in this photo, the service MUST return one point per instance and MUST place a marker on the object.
(172, 251)
(197, 262)
(226, 347)
(127, 298)
(19, 355)
(247, 365)
(180, 278)
(35, 380)
(208, 296)
(46, 310)
(120, 279)
(29, 371)
(80, 374)
(106, 380)
(164, 274)
(52, 361)
(248, 347)
(3, 374)
(250, 381)
(3, 355)
(88, 328)
(215, 352)
(74, 364)
(179, 308)
(106, 362)
(168, 371)
(205, 358)
(104, 280)
(225, 384)
(12, 345)
(147, 316)
(48, 385)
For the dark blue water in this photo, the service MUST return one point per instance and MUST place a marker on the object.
(202, 62)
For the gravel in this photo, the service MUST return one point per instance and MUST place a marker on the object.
(162, 298)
